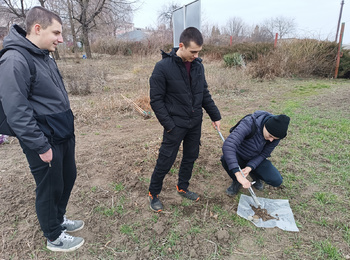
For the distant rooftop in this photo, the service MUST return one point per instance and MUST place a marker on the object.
(135, 36)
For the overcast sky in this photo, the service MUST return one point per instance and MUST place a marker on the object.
(314, 18)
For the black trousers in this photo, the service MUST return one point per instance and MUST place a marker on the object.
(168, 152)
(53, 185)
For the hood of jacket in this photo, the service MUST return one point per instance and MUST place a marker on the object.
(261, 117)
(177, 58)
(17, 37)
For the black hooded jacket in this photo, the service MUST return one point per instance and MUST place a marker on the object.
(39, 115)
(174, 99)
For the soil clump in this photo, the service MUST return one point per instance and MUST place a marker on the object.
(262, 213)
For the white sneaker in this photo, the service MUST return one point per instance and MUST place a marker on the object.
(65, 243)
(71, 225)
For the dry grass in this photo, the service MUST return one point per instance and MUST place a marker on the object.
(301, 58)
(144, 102)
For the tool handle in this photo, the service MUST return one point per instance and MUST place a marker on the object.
(252, 193)
(222, 138)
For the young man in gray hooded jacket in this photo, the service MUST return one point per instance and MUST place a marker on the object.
(38, 111)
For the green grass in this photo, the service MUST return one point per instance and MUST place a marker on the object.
(118, 186)
(195, 230)
(239, 220)
(325, 198)
(129, 230)
(326, 250)
(112, 210)
(309, 89)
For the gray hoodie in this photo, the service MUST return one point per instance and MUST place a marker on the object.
(39, 115)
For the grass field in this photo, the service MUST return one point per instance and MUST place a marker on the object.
(116, 154)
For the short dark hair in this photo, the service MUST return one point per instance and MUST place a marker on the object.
(191, 34)
(42, 16)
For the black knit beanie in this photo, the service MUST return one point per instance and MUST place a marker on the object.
(278, 125)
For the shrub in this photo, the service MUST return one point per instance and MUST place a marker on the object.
(113, 46)
(344, 66)
(302, 58)
(85, 79)
(250, 51)
(234, 60)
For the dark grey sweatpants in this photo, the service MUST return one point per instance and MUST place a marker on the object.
(53, 185)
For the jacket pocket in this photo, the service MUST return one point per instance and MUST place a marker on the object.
(57, 127)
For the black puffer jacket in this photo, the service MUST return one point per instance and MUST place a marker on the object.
(39, 116)
(173, 99)
(255, 149)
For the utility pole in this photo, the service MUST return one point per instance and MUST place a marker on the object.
(341, 11)
(339, 49)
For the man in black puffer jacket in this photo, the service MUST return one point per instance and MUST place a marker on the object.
(179, 92)
(39, 114)
(251, 153)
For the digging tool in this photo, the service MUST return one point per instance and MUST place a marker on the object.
(252, 193)
(138, 109)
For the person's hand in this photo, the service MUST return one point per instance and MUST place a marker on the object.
(216, 125)
(46, 157)
(246, 171)
(245, 183)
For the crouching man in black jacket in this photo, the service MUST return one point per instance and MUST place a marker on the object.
(178, 93)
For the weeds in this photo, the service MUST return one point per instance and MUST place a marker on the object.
(327, 250)
(325, 198)
(239, 220)
(118, 187)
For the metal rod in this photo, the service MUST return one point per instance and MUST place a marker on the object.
(251, 191)
(250, 188)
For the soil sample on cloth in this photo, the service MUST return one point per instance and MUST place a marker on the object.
(262, 213)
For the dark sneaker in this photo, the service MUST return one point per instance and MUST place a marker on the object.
(187, 194)
(65, 243)
(155, 203)
(233, 189)
(71, 225)
(258, 185)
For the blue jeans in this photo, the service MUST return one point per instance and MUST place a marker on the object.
(53, 185)
(265, 171)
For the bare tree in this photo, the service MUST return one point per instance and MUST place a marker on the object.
(261, 34)
(15, 11)
(165, 15)
(72, 27)
(86, 12)
(111, 21)
(235, 27)
(281, 25)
